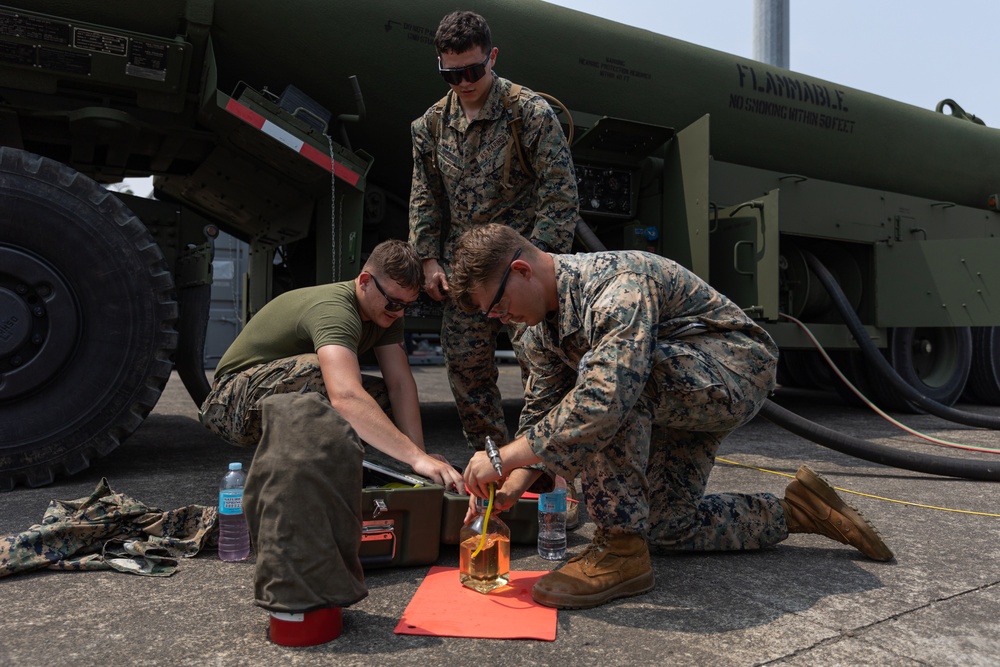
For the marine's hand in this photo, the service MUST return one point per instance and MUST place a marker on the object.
(509, 492)
(519, 481)
(439, 471)
(479, 473)
(435, 280)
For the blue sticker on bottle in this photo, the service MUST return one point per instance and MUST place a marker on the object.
(231, 501)
(552, 502)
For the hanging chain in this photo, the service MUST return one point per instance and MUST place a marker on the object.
(333, 213)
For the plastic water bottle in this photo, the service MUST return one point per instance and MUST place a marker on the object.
(234, 536)
(552, 522)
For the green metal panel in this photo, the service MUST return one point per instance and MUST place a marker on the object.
(259, 286)
(824, 209)
(744, 254)
(830, 336)
(339, 234)
(685, 198)
(938, 283)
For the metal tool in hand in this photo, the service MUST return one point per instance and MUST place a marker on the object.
(493, 452)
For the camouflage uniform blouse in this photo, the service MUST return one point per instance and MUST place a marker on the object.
(610, 347)
(467, 189)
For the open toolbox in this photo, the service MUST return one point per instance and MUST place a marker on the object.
(401, 515)
(406, 518)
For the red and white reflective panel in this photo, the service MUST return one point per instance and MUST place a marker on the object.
(305, 150)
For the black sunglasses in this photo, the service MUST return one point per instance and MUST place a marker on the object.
(392, 305)
(470, 73)
(503, 285)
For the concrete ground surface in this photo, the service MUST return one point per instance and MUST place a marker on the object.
(807, 601)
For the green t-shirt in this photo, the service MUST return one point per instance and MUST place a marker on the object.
(301, 322)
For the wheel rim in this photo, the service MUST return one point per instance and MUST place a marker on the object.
(934, 355)
(936, 361)
(38, 322)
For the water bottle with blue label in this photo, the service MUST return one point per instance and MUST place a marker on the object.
(552, 522)
(234, 535)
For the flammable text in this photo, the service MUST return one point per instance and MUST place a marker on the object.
(791, 88)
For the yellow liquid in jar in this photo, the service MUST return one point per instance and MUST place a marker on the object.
(490, 568)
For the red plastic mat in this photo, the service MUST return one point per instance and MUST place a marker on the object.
(443, 607)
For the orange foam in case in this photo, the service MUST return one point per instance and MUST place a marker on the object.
(443, 607)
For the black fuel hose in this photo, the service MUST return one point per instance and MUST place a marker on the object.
(588, 238)
(881, 365)
(870, 451)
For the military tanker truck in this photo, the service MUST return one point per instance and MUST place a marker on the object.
(287, 125)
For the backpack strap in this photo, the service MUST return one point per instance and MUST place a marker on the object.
(513, 106)
(569, 117)
(512, 102)
(435, 128)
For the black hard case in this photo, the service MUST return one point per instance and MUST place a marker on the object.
(401, 526)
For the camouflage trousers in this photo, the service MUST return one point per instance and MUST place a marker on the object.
(469, 344)
(232, 409)
(651, 478)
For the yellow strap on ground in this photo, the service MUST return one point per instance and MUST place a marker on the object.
(859, 493)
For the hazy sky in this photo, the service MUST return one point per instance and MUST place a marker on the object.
(914, 51)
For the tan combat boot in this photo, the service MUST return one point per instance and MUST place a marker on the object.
(612, 566)
(811, 505)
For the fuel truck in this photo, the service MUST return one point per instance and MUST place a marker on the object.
(286, 125)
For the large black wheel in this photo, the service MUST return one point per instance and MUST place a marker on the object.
(935, 361)
(86, 320)
(984, 379)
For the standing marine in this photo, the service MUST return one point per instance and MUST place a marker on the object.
(489, 151)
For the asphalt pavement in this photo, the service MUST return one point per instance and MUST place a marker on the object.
(807, 601)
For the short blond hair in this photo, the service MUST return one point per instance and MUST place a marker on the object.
(482, 253)
(396, 260)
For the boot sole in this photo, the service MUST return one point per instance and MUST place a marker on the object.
(813, 481)
(636, 586)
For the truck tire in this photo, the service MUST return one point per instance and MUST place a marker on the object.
(86, 320)
(983, 385)
(936, 361)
